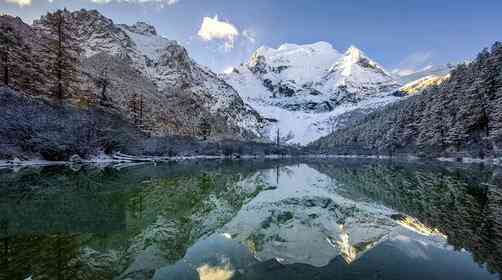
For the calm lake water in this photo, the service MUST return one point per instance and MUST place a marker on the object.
(250, 219)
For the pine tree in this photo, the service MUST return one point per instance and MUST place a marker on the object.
(136, 109)
(17, 67)
(205, 128)
(462, 115)
(103, 82)
(7, 44)
(495, 95)
(62, 53)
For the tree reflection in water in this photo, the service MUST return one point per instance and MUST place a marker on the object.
(214, 219)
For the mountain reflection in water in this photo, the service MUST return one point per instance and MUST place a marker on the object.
(250, 219)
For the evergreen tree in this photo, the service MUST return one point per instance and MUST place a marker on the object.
(136, 109)
(8, 42)
(461, 115)
(103, 82)
(62, 53)
(17, 66)
(495, 95)
(205, 128)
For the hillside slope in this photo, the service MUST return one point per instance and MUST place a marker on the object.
(151, 80)
(460, 117)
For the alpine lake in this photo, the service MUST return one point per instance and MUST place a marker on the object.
(252, 219)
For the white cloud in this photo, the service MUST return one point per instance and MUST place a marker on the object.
(162, 2)
(403, 72)
(20, 2)
(214, 29)
(167, 2)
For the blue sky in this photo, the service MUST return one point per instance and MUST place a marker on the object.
(404, 34)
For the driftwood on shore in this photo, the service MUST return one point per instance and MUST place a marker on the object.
(124, 157)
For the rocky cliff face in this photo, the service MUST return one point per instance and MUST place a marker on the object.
(306, 88)
(153, 80)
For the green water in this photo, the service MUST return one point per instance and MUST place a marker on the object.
(251, 219)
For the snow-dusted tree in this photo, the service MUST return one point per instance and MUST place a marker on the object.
(495, 95)
(8, 42)
(288, 137)
(103, 82)
(204, 128)
(62, 53)
(461, 115)
(17, 67)
(278, 137)
(136, 108)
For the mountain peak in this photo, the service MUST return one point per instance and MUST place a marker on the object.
(142, 28)
(354, 59)
(354, 54)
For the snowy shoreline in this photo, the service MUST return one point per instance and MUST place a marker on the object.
(110, 161)
(464, 160)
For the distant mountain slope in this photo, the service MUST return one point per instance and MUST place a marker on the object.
(460, 117)
(305, 88)
(422, 84)
(432, 70)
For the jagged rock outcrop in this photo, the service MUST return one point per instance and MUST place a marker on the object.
(150, 79)
(197, 93)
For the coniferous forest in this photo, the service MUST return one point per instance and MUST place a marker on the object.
(461, 117)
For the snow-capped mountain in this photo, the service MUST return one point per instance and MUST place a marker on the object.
(166, 65)
(305, 87)
(303, 216)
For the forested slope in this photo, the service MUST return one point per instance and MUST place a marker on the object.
(460, 117)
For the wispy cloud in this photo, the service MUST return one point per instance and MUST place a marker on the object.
(214, 29)
(250, 35)
(162, 2)
(20, 2)
(167, 2)
(414, 62)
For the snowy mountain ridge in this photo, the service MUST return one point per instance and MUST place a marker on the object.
(294, 94)
(309, 90)
(173, 72)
